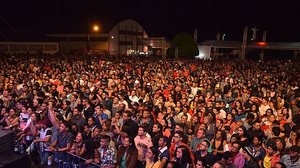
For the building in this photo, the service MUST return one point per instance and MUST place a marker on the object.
(127, 37)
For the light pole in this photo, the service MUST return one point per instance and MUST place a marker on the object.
(95, 29)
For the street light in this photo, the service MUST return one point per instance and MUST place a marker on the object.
(95, 29)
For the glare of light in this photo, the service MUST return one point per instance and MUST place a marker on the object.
(112, 37)
(262, 43)
(96, 28)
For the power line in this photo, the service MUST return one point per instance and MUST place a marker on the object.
(13, 30)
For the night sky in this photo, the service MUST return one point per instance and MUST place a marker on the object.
(31, 19)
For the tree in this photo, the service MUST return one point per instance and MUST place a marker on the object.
(187, 47)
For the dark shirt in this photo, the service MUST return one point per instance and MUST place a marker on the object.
(63, 139)
(208, 158)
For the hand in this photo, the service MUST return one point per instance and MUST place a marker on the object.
(96, 160)
(89, 161)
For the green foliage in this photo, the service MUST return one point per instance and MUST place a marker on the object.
(187, 47)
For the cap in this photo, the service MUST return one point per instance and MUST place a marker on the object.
(250, 150)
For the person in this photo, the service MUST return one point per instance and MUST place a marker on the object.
(248, 154)
(271, 157)
(152, 160)
(279, 165)
(201, 163)
(203, 153)
(259, 150)
(177, 141)
(127, 154)
(62, 144)
(105, 155)
(156, 133)
(238, 160)
(182, 157)
(219, 164)
(197, 139)
(228, 159)
(292, 159)
(164, 154)
(142, 143)
(218, 145)
(129, 127)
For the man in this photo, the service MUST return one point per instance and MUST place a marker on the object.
(197, 140)
(99, 115)
(248, 153)
(77, 118)
(164, 154)
(105, 155)
(62, 144)
(88, 110)
(127, 154)
(129, 127)
(142, 143)
(239, 160)
(156, 134)
(292, 160)
(203, 152)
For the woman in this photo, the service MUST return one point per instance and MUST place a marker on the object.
(210, 127)
(78, 147)
(127, 154)
(218, 145)
(242, 132)
(182, 157)
(152, 158)
(292, 139)
(11, 120)
(230, 122)
(165, 128)
(201, 163)
(194, 126)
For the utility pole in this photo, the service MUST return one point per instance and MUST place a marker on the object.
(243, 53)
(262, 54)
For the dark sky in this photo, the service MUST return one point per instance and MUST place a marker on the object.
(33, 18)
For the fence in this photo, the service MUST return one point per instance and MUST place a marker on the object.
(31, 47)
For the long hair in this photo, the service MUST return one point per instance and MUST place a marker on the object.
(155, 153)
(186, 157)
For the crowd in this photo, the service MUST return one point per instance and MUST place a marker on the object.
(131, 112)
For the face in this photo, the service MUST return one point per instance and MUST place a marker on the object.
(125, 117)
(179, 153)
(161, 142)
(240, 131)
(141, 132)
(176, 138)
(155, 128)
(199, 164)
(216, 165)
(218, 134)
(270, 151)
(256, 141)
(200, 134)
(149, 154)
(203, 146)
(235, 148)
(62, 127)
(78, 137)
(104, 143)
(126, 142)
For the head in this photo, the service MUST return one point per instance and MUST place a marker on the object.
(142, 131)
(127, 142)
(177, 136)
(200, 163)
(78, 138)
(204, 145)
(219, 164)
(152, 154)
(236, 146)
(104, 141)
(163, 141)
